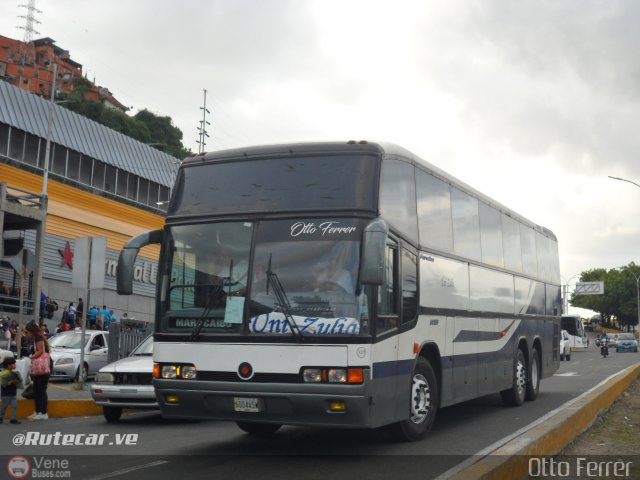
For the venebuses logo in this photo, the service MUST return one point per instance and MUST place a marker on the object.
(18, 467)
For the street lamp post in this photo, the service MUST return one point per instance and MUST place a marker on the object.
(565, 304)
(624, 180)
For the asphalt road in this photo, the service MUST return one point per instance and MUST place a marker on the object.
(172, 449)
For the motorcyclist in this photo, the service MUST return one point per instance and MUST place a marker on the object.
(604, 344)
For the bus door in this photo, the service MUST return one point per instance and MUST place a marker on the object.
(385, 354)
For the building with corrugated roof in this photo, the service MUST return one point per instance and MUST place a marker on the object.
(100, 183)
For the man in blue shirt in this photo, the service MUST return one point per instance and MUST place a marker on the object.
(91, 318)
(106, 317)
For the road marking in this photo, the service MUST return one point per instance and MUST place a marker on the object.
(567, 374)
(124, 471)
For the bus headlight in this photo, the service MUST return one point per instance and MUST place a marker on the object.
(188, 372)
(337, 375)
(333, 375)
(169, 371)
(312, 375)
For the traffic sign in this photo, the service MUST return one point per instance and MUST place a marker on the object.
(589, 288)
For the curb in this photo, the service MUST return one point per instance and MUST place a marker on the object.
(61, 408)
(549, 437)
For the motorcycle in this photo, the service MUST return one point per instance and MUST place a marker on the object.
(604, 348)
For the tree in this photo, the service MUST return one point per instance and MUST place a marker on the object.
(619, 300)
(146, 127)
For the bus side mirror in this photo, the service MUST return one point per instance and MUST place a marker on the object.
(373, 248)
(124, 277)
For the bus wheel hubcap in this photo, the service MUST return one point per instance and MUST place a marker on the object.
(420, 399)
(521, 378)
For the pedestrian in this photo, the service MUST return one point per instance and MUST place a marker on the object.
(11, 381)
(43, 302)
(44, 329)
(106, 318)
(40, 371)
(80, 312)
(92, 315)
(50, 307)
(71, 315)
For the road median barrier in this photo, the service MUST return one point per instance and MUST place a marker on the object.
(548, 436)
(61, 408)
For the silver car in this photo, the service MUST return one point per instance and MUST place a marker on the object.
(65, 354)
(126, 383)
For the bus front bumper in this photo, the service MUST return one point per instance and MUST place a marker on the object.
(291, 404)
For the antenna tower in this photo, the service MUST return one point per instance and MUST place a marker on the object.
(30, 19)
(202, 129)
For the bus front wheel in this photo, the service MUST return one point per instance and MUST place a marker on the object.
(423, 404)
(515, 395)
(259, 429)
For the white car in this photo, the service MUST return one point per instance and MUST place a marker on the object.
(565, 347)
(65, 354)
(126, 383)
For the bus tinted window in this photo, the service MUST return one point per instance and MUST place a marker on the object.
(491, 236)
(466, 227)
(434, 212)
(398, 197)
(511, 244)
(409, 286)
(281, 184)
(528, 245)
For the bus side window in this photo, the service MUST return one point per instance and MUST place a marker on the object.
(387, 292)
(409, 286)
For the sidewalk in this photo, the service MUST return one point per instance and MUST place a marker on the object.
(64, 401)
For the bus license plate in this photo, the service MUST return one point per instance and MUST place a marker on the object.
(243, 404)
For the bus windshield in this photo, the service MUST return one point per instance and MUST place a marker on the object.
(303, 279)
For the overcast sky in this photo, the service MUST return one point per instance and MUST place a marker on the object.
(532, 102)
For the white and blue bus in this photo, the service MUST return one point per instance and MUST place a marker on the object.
(346, 284)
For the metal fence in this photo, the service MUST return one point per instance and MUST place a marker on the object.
(124, 338)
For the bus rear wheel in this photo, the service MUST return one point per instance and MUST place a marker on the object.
(515, 395)
(259, 429)
(533, 379)
(423, 404)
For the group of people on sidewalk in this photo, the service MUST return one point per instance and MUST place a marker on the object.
(11, 380)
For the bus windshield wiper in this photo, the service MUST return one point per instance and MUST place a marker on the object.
(205, 312)
(283, 301)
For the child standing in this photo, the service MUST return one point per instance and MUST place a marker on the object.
(11, 381)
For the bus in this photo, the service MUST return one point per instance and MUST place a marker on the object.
(574, 326)
(343, 284)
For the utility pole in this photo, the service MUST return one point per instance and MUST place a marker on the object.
(202, 129)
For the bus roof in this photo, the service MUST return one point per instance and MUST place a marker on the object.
(382, 149)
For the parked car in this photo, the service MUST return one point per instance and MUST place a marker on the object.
(565, 347)
(627, 342)
(65, 354)
(126, 383)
